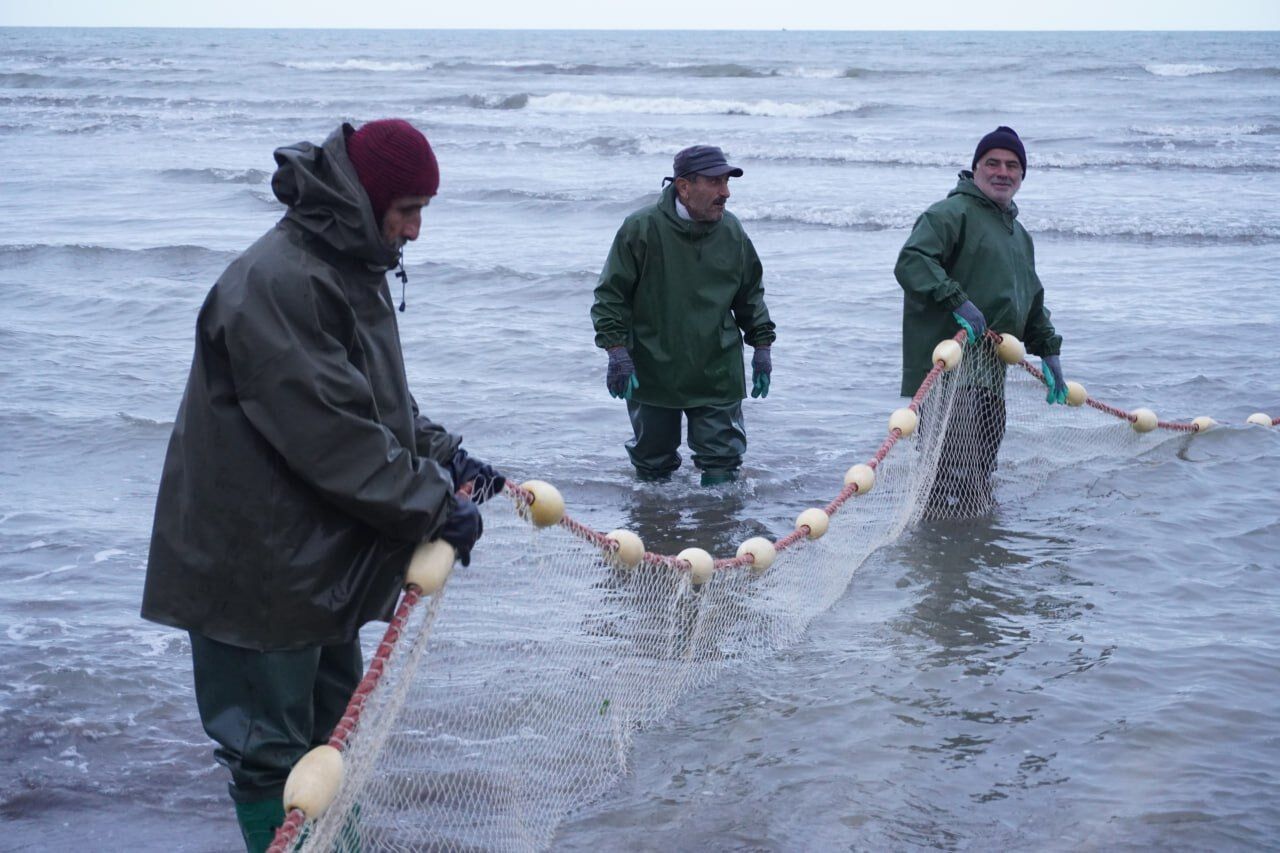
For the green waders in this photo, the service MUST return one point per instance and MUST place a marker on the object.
(265, 710)
(717, 437)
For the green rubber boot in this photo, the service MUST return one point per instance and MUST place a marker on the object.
(259, 822)
(719, 478)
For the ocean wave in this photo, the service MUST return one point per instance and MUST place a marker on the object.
(1206, 232)
(218, 176)
(533, 66)
(146, 423)
(571, 103)
(71, 254)
(715, 69)
(26, 80)
(122, 63)
(1199, 160)
(518, 101)
(1197, 69)
(365, 65)
(1210, 132)
(1184, 69)
(565, 102)
(517, 195)
(852, 220)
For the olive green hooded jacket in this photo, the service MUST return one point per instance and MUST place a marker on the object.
(300, 475)
(966, 248)
(680, 295)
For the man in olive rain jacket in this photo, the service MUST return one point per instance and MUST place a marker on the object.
(680, 290)
(970, 264)
(300, 475)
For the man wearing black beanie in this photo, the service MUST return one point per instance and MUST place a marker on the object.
(970, 264)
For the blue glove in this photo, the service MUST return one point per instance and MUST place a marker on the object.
(1052, 369)
(621, 379)
(462, 528)
(971, 319)
(486, 482)
(761, 369)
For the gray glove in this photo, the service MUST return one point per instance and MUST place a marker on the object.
(621, 378)
(971, 319)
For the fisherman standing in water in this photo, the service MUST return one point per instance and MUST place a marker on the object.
(680, 290)
(300, 475)
(970, 264)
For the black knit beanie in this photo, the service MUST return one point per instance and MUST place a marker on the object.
(1001, 137)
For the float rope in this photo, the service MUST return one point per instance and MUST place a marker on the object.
(525, 498)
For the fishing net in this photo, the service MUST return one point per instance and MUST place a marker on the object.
(512, 696)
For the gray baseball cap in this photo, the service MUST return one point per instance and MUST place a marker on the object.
(703, 160)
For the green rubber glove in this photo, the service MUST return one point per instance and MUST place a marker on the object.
(1051, 366)
(761, 370)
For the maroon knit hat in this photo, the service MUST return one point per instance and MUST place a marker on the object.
(392, 159)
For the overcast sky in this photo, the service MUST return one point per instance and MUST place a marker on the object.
(656, 14)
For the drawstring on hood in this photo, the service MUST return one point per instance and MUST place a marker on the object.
(403, 276)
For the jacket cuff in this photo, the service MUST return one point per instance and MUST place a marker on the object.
(955, 300)
(1050, 346)
(760, 339)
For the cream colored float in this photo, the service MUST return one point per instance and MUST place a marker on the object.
(1259, 419)
(762, 551)
(1204, 423)
(949, 353)
(430, 566)
(862, 476)
(628, 554)
(904, 421)
(1010, 349)
(1144, 420)
(547, 506)
(701, 566)
(314, 782)
(1076, 395)
(816, 520)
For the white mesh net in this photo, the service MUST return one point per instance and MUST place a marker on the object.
(512, 698)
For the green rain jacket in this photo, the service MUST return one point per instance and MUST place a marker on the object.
(966, 248)
(680, 295)
(300, 474)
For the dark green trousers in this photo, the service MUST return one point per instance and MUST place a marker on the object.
(265, 710)
(717, 437)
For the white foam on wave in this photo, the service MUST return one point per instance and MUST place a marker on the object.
(812, 73)
(107, 554)
(1197, 132)
(1183, 69)
(355, 65)
(858, 219)
(40, 575)
(30, 629)
(565, 102)
(1175, 228)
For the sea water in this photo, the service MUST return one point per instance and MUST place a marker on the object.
(1094, 666)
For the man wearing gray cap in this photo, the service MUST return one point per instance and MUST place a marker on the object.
(680, 291)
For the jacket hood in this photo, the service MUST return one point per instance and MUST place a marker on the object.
(966, 186)
(694, 228)
(325, 198)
